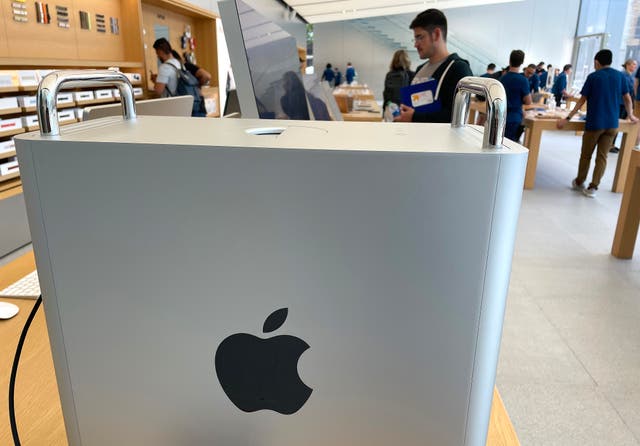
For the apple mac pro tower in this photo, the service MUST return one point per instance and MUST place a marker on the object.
(272, 283)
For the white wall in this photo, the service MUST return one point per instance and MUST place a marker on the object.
(340, 42)
(543, 29)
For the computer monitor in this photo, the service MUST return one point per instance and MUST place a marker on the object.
(320, 96)
(232, 105)
(174, 106)
(265, 64)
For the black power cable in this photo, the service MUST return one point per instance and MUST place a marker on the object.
(14, 372)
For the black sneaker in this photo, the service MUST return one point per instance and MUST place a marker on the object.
(614, 150)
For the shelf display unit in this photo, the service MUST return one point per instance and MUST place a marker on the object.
(87, 34)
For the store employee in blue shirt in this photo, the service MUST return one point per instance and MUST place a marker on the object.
(603, 91)
(517, 88)
(559, 88)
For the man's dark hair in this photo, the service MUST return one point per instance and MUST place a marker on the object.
(430, 20)
(163, 45)
(516, 58)
(604, 57)
(532, 66)
(567, 67)
(541, 64)
(491, 66)
(328, 65)
(549, 66)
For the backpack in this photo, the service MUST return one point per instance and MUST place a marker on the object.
(188, 85)
(393, 82)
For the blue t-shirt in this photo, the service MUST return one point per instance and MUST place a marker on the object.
(534, 83)
(349, 74)
(543, 78)
(604, 89)
(328, 74)
(517, 87)
(559, 84)
(638, 77)
(629, 78)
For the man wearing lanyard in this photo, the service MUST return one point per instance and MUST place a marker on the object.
(430, 36)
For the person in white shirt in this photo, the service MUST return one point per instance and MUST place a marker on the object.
(166, 81)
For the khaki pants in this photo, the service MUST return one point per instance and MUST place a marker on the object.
(604, 140)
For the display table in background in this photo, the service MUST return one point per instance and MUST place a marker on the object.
(38, 410)
(629, 218)
(370, 112)
(538, 124)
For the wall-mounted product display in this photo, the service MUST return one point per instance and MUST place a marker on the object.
(42, 13)
(85, 20)
(115, 28)
(62, 15)
(19, 8)
(100, 23)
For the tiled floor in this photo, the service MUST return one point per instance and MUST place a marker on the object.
(569, 369)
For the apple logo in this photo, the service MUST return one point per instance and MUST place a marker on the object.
(257, 373)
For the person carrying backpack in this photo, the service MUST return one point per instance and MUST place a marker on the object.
(174, 80)
(399, 76)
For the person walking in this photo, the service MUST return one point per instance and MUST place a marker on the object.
(603, 91)
(350, 73)
(559, 88)
(328, 74)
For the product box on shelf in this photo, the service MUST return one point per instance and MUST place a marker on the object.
(30, 120)
(7, 146)
(104, 94)
(9, 167)
(66, 115)
(133, 77)
(9, 79)
(78, 112)
(84, 96)
(137, 91)
(64, 98)
(8, 103)
(28, 78)
(43, 73)
(10, 124)
(27, 101)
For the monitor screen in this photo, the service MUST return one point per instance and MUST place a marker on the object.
(264, 59)
(266, 67)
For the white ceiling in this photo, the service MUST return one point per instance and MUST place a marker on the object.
(319, 11)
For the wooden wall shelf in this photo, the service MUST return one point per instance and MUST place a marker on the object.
(11, 132)
(10, 111)
(37, 46)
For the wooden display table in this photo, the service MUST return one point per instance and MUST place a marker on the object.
(371, 114)
(533, 134)
(38, 410)
(629, 218)
(346, 94)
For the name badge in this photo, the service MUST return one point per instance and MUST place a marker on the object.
(422, 98)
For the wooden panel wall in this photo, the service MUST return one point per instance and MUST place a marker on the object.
(202, 29)
(33, 40)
